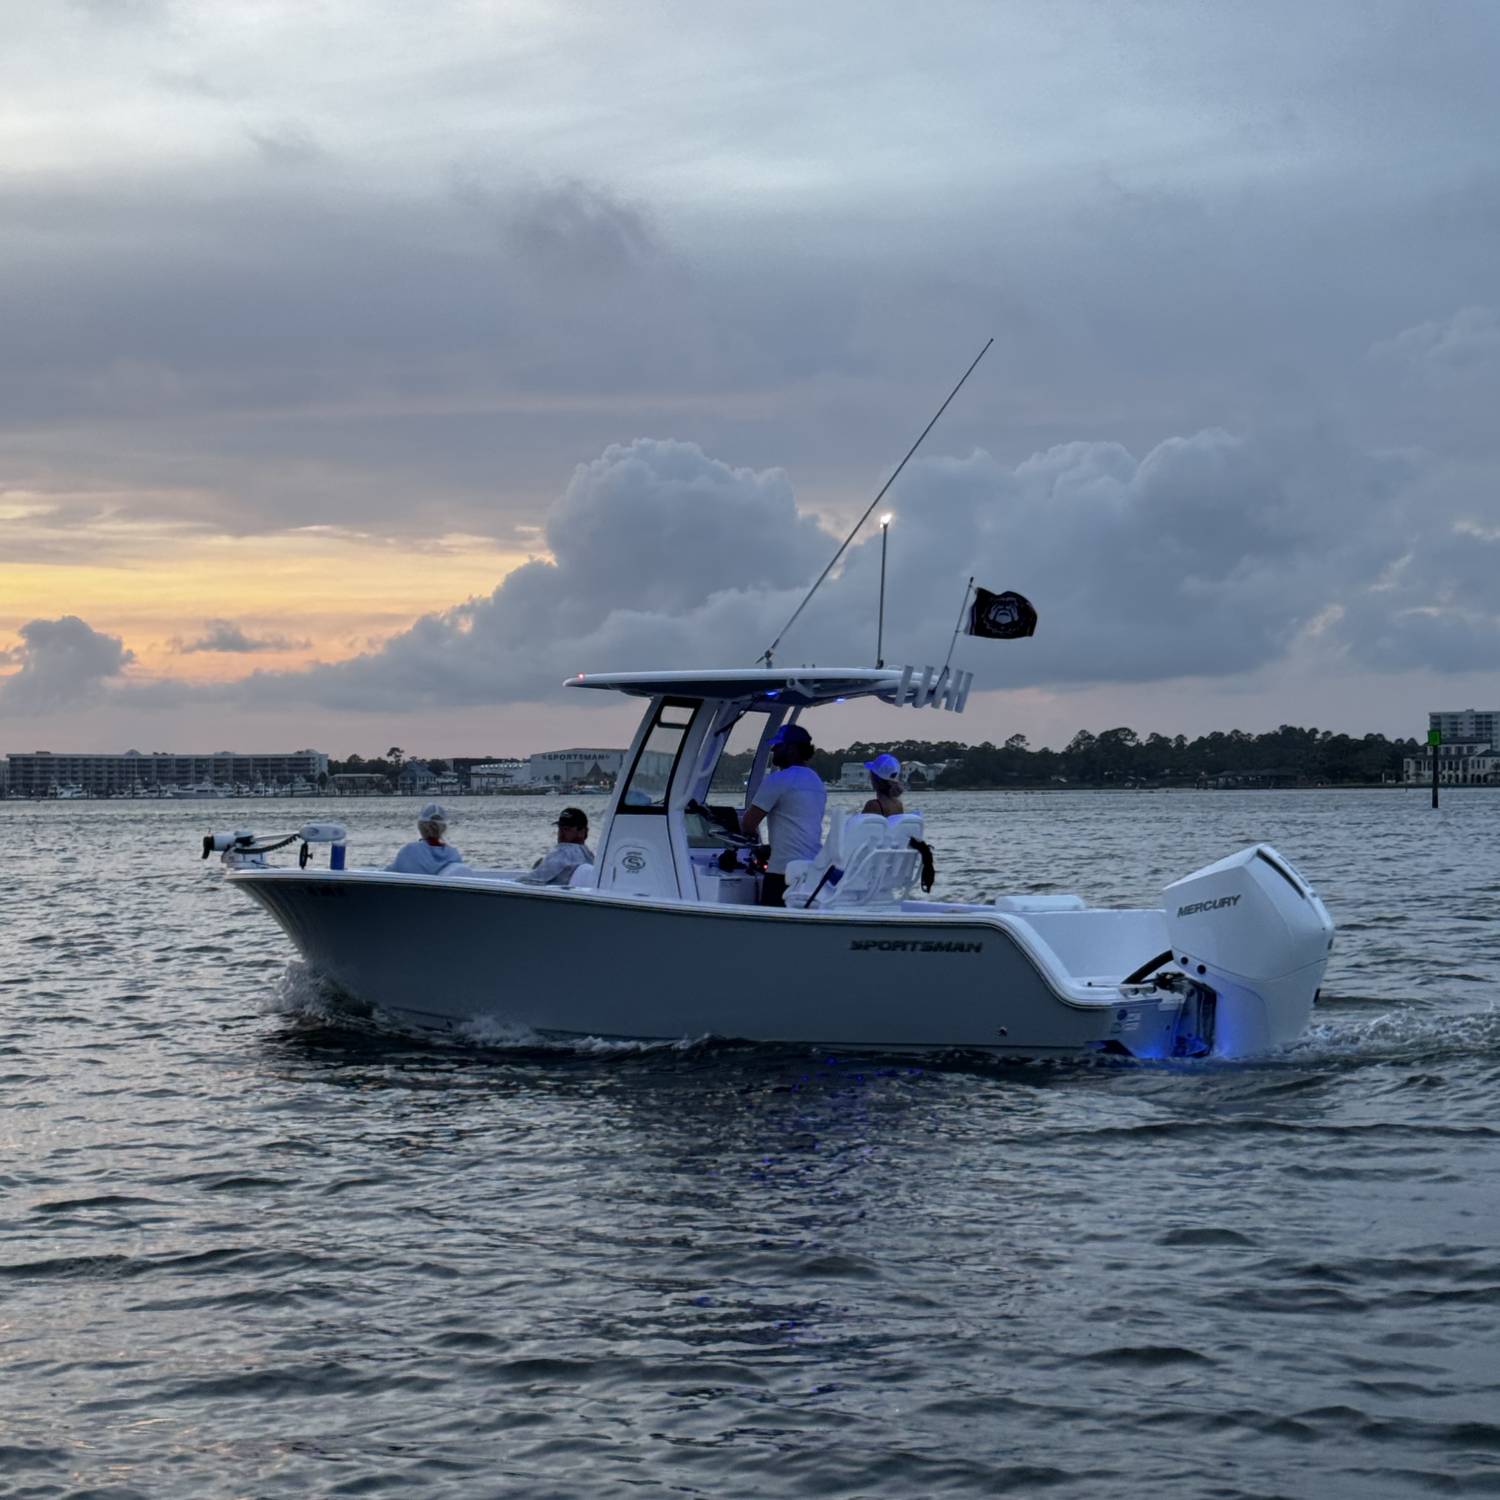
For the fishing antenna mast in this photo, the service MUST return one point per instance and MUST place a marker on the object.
(770, 651)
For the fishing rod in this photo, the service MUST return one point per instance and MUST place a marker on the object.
(895, 474)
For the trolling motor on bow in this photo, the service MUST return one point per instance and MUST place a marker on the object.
(242, 850)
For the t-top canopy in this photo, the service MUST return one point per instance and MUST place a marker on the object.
(801, 687)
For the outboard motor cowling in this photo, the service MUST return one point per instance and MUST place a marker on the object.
(1254, 931)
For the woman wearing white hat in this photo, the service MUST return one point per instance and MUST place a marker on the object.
(885, 772)
(427, 855)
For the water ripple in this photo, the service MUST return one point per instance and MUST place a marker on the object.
(254, 1240)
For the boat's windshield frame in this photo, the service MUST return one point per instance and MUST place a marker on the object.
(684, 712)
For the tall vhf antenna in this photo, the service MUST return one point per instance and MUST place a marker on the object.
(770, 650)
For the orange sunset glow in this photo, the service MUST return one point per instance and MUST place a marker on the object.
(327, 593)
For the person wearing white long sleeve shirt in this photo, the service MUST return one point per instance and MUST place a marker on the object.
(557, 865)
(427, 855)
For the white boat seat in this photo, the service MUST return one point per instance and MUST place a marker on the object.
(1040, 903)
(877, 875)
(846, 837)
(852, 847)
(904, 826)
(584, 878)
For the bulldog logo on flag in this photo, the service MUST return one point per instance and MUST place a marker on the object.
(1001, 617)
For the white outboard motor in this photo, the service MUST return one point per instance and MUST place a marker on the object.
(1255, 933)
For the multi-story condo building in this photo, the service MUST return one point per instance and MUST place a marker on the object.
(42, 773)
(1467, 726)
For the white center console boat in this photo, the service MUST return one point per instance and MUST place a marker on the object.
(675, 945)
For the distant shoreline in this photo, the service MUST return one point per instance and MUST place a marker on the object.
(833, 790)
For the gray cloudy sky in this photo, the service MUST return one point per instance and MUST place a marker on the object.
(319, 322)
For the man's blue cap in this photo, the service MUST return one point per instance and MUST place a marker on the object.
(791, 734)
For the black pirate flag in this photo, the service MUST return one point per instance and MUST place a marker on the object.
(1001, 617)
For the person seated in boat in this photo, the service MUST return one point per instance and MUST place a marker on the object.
(885, 772)
(793, 798)
(427, 855)
(557, 865)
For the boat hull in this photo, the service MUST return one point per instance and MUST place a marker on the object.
(574, 964)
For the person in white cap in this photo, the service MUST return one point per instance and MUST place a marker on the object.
(427, 855)
(885, 773)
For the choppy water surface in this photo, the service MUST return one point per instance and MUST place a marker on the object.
(248, 1250)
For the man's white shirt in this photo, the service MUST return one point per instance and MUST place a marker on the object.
(556, 866)
(794, 800)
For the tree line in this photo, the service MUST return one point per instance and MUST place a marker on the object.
(1288, 756)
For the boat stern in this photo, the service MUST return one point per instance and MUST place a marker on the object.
(1252, 931)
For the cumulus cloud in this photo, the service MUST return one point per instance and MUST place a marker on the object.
(1206, 557)
(226, 636)
(659, 553)
(64, 664)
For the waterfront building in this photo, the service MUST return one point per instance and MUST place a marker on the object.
(417, 779)
(415, 776)
(1467, 726)
(1476, 763)
(42, 773)
(360, 783)
(572, 767)
(559, 769)
(500, 775)
(1469, 754)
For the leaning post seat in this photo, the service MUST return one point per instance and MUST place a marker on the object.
(879, 875)
(846, 837)
(875, 855)
(904, 826)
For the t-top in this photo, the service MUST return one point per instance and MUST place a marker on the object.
(421, 858)
(794, 799)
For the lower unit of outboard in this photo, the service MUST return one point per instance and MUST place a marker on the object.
(1193, 1036)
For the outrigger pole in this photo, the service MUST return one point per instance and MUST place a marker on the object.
(962, 609)
(769, 652)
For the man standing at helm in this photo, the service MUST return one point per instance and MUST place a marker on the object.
(793, 798)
